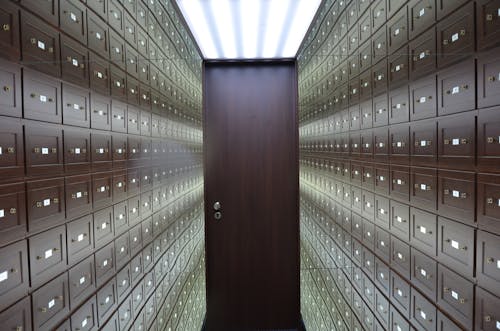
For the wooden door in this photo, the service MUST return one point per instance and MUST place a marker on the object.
(251, 169)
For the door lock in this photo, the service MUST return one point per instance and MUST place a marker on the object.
(218, 215)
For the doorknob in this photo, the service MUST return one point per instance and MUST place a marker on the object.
(217, 206)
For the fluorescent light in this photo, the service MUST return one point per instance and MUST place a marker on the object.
(276, 18)
(195, 18)
(249, 13)
(222, 11)
(248, 29)
(303, 18)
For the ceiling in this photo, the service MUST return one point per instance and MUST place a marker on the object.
(248, 29)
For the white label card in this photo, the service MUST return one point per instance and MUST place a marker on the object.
(498, 264)
(43, 98)
(454, 37)
(422, 12)
(48, 253)
(455, 244)
(84, 322)
(41, 45)
(423, 99)
(104, 226)
(45, 151)
(455, 142)
(1, 151)
(423, 315)
(455, 90)
(79, 195)
(46, 202)
(82, 280)
(423, 229)
(498, 322)
(73, 17)
(74, 62)
(2, 213)
(456, 194)
(454, 295)
(80, 237)
(51, 303)
(105, 263)
(4, 276)
(423, 272)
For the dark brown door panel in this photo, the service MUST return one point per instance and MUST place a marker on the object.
(457, 195)
(11, 149)
(9, 34)
(488, 202)
(488, 79)
(487, 23)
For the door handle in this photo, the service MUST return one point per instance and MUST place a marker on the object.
(217, 206)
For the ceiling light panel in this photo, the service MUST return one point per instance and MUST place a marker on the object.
(249, 29)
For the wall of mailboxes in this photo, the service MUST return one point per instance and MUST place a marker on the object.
(400, 165)
(101, 215)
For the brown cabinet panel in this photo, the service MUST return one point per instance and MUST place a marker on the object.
(107, 299)
(423, 99)
(488, 261)
(51, 303)
(400, 183)
(119, 117)
(457, 136)
(78, 196)
(117, 50)
(399, 140)
(456, 296)
(488, 79)
(74, 62)
(380, 111)
(12, 212)
(11, 149)
(455, 36)
(487, 23)
(104, 264)
(100, 75)
(47, 255)
(400, 257)
(457, 89)
(17, 317)
(116, 16)
(378, 13)
(73, 19)
(119, 147)
(101, 151)
(15, 279)
(97, 35)
(422, 15)
(102, 189)
(400, 294)
(488, 202)
(81, 281)
(76, 150)
(103, 226)
(9, 34)
(80, 238)
(487, 318)
(10, 94)
(75, 106)
(424, 273)
(85, 318)
(100, 113)
(397, 29)
(423, 312)
(45, 203)
(423, 135)
(40, 45)
(42, 97)
(422, 53)
(423, 188)
(457, 196)
(398, 68)
(456, 246)
(380, 78)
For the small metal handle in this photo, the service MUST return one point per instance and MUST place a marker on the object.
(218, 215)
